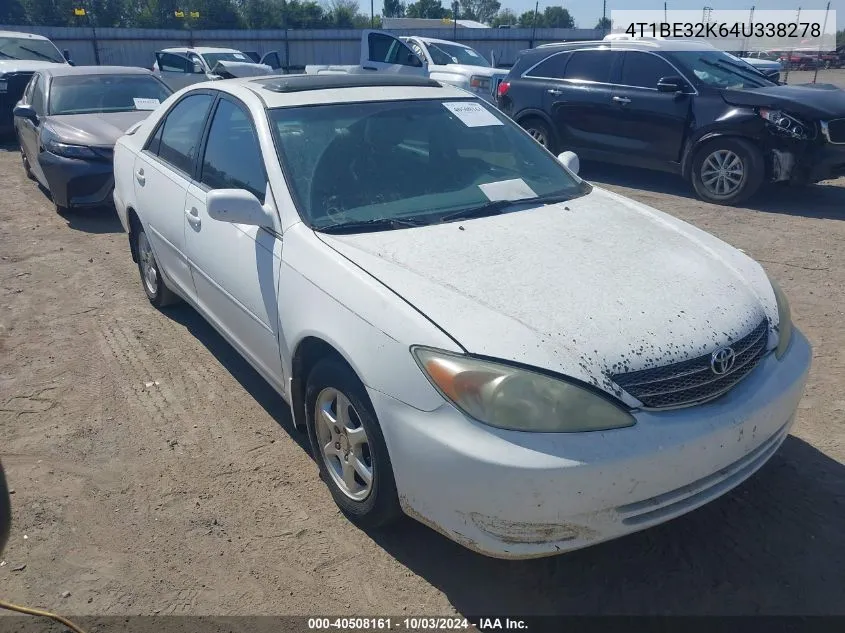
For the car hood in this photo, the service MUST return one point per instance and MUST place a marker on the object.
(25, 65)
(762, 63)
(241, 69)
(97, 130)
(465, 69)
(810, 100)
(593, 287)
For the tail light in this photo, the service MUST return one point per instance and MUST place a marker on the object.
(503, 88)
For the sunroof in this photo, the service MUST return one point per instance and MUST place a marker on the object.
(299, 83)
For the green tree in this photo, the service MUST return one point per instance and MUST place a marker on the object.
(12, 12)
(603, 24)
(526, 20)
(432, 9)
(557, 18)
(840, 37)
(394, 9)
(50, 12)
(505, 17)
(305, 14)
(479, 10)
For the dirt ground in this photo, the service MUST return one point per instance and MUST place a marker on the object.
(155, 472)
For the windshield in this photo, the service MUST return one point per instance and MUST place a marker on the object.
(442, 54)
(212, 58)
(83, 94)
(29, 49)
(720, 70)
(412, 161)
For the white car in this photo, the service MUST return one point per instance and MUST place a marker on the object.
(468, 331)
(180, 67)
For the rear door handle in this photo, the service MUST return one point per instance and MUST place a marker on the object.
(554, 91)
(622, 100)
(193, 217)
(139, 176)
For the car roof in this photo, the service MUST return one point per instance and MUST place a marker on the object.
(62, 70)
(199, 49)
(645, 44)
(29, 36)
(278, 91)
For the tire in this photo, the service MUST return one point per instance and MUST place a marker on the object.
(727, 171)
(541, 132)
(153, 283)
(333, 387)
(26, 168)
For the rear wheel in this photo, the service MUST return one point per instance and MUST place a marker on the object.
(727, 171)
(157, 291)
(541, 132)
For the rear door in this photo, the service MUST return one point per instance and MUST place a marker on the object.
(177, 70)
(649, 125)
(384, 53)
(580, 98)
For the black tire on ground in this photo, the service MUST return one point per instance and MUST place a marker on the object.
(541, 132)
(380, 507)
(154, 285)
(26, 168)
(734, 153)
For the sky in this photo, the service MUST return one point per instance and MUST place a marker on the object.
(587, 12)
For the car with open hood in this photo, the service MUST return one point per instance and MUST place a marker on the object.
(21, 54)
(678, 106)
(183, 66)
(68, 120)
(467, 330)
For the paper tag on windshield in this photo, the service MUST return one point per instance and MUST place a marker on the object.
(472, 114)
(239, 56)
(516, 189)
(146, 104)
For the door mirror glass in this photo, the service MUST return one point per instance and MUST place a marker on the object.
(570, 161)
(671, 84)
(26, 112)
(237, 206)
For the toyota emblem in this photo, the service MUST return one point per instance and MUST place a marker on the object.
(722, 360)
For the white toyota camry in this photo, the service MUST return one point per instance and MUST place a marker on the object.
(468, 331)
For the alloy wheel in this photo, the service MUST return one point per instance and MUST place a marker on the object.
(722, 173)
(149, 270)
(539, 136)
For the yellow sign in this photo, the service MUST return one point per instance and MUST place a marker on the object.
(179, 14)
(79, 11)
(195, 14)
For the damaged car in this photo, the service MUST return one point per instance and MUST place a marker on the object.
(180, 67)
(678, 106)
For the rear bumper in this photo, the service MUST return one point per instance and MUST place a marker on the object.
(77, 183)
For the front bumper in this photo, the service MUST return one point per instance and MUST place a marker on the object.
(78, 183)
(509, 494)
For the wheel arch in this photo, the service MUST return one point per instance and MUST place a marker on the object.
(134, 224)
(533, 113)
(694, 145)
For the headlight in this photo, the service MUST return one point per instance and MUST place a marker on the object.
(69, 151)
(784, 320)
(517, 399)
(787, 124)
(477, 82)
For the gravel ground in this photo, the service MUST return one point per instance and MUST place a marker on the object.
(154, 471)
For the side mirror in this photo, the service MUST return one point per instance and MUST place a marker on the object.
(671, 84)
(237, 206)
(197, 69)
(570, 161)
(66, 54)
(26, 112)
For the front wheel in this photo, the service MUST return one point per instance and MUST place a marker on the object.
(26, 168)
(157, 291)
(727, 171)
(348, 445)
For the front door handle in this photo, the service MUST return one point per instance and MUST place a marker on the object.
(193, 217)
(370, 68)
(554, 91)
(622, 100)
(139, 176)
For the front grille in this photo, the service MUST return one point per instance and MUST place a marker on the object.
(693, 381)
(836, 131)
(87, 185)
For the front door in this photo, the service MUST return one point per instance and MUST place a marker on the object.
(234, 266)
(163, 172)
(29, 133)
(384, 53)
(178, 71)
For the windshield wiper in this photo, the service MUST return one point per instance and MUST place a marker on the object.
(753, 73)
(497, 206)
(39, 53)
(363, 226)
(7, 56)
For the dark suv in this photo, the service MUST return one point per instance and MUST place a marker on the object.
(681, 107)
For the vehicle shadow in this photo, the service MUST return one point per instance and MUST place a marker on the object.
(823, 200)
(772, 546)
(93, 220)
(240, 369)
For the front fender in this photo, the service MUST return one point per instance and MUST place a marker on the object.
(738, 122)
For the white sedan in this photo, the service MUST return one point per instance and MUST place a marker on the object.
(468, 331)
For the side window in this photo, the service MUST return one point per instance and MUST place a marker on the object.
(27, 94)
(232, 158)
(172, 63)
(154, 144)
(272, 60)
(379, 46)
(38, 96)
(383, 48)
(591, 65)
(552, 67)
(644, 70)
(181, 131)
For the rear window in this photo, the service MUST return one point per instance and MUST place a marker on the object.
(552, 68)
